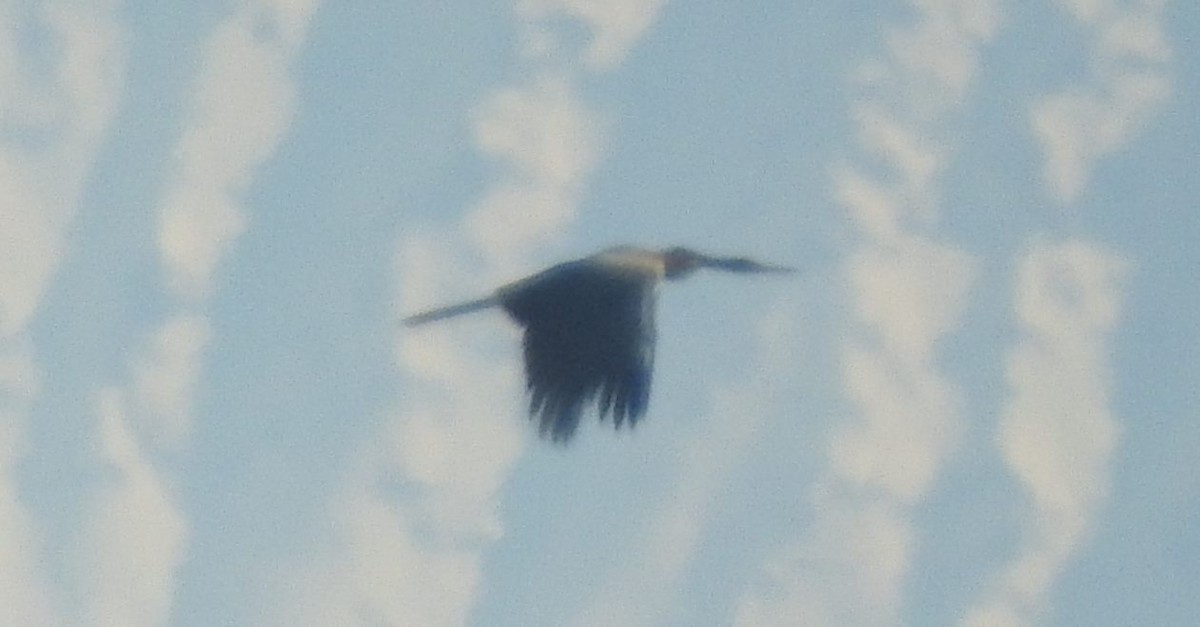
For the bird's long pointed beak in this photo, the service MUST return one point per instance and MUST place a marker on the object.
(742, 264)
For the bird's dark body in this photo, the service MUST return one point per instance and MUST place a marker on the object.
(588, 334)
(589, 330)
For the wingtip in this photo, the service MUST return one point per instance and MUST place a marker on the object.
(447, 312)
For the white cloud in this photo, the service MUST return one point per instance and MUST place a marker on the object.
(20, 381)
(1058, 432)
(243, 104)
(24, 597)
(1135, 36)
(909, 423)
(644, 590)
(908, 292)
(849, 567)
(423, 498)
(909, 297)
(58, 96)
(197, 229)
(290, 18)
(460, 450)
(399, 577)
(542, 130)
(53, 123)
(1129, 83)
(165, 377)
(550, 142)
(617, 25)
(134, 537)
(871, 205)
(31, 234)
(847, 570)
(935, 59)
(419, 505)
(386, 569)
(1080, 126)
(92, 64)
(457, 437)
(916, 157)
(413, 553)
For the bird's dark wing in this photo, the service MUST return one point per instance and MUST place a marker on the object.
(589, 335)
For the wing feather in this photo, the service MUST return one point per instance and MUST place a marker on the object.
(588, 336)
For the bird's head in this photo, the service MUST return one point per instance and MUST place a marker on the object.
(679, 262)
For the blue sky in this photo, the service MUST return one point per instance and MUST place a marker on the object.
(975, 405)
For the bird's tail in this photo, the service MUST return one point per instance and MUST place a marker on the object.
(453, 310)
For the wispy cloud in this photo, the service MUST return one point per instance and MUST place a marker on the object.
(644, 590)
(908, 291)
(550, 141)
(455, 439)
(134, 536)
(24, 594)
(846, 571)
(1058, 432)
(419, 509)
(1128, 82)
(61, 76)
(54, 122)
(241, 106)
(418, 552)
(616, 25)
(165, 378)
(243, 102)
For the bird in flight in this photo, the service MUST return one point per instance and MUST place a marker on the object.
(589, 330)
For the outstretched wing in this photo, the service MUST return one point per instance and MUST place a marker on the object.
(589, 335)
(434, 315)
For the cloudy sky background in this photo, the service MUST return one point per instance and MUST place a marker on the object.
(975, 406)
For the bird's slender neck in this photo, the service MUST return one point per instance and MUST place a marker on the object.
(678, 263)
